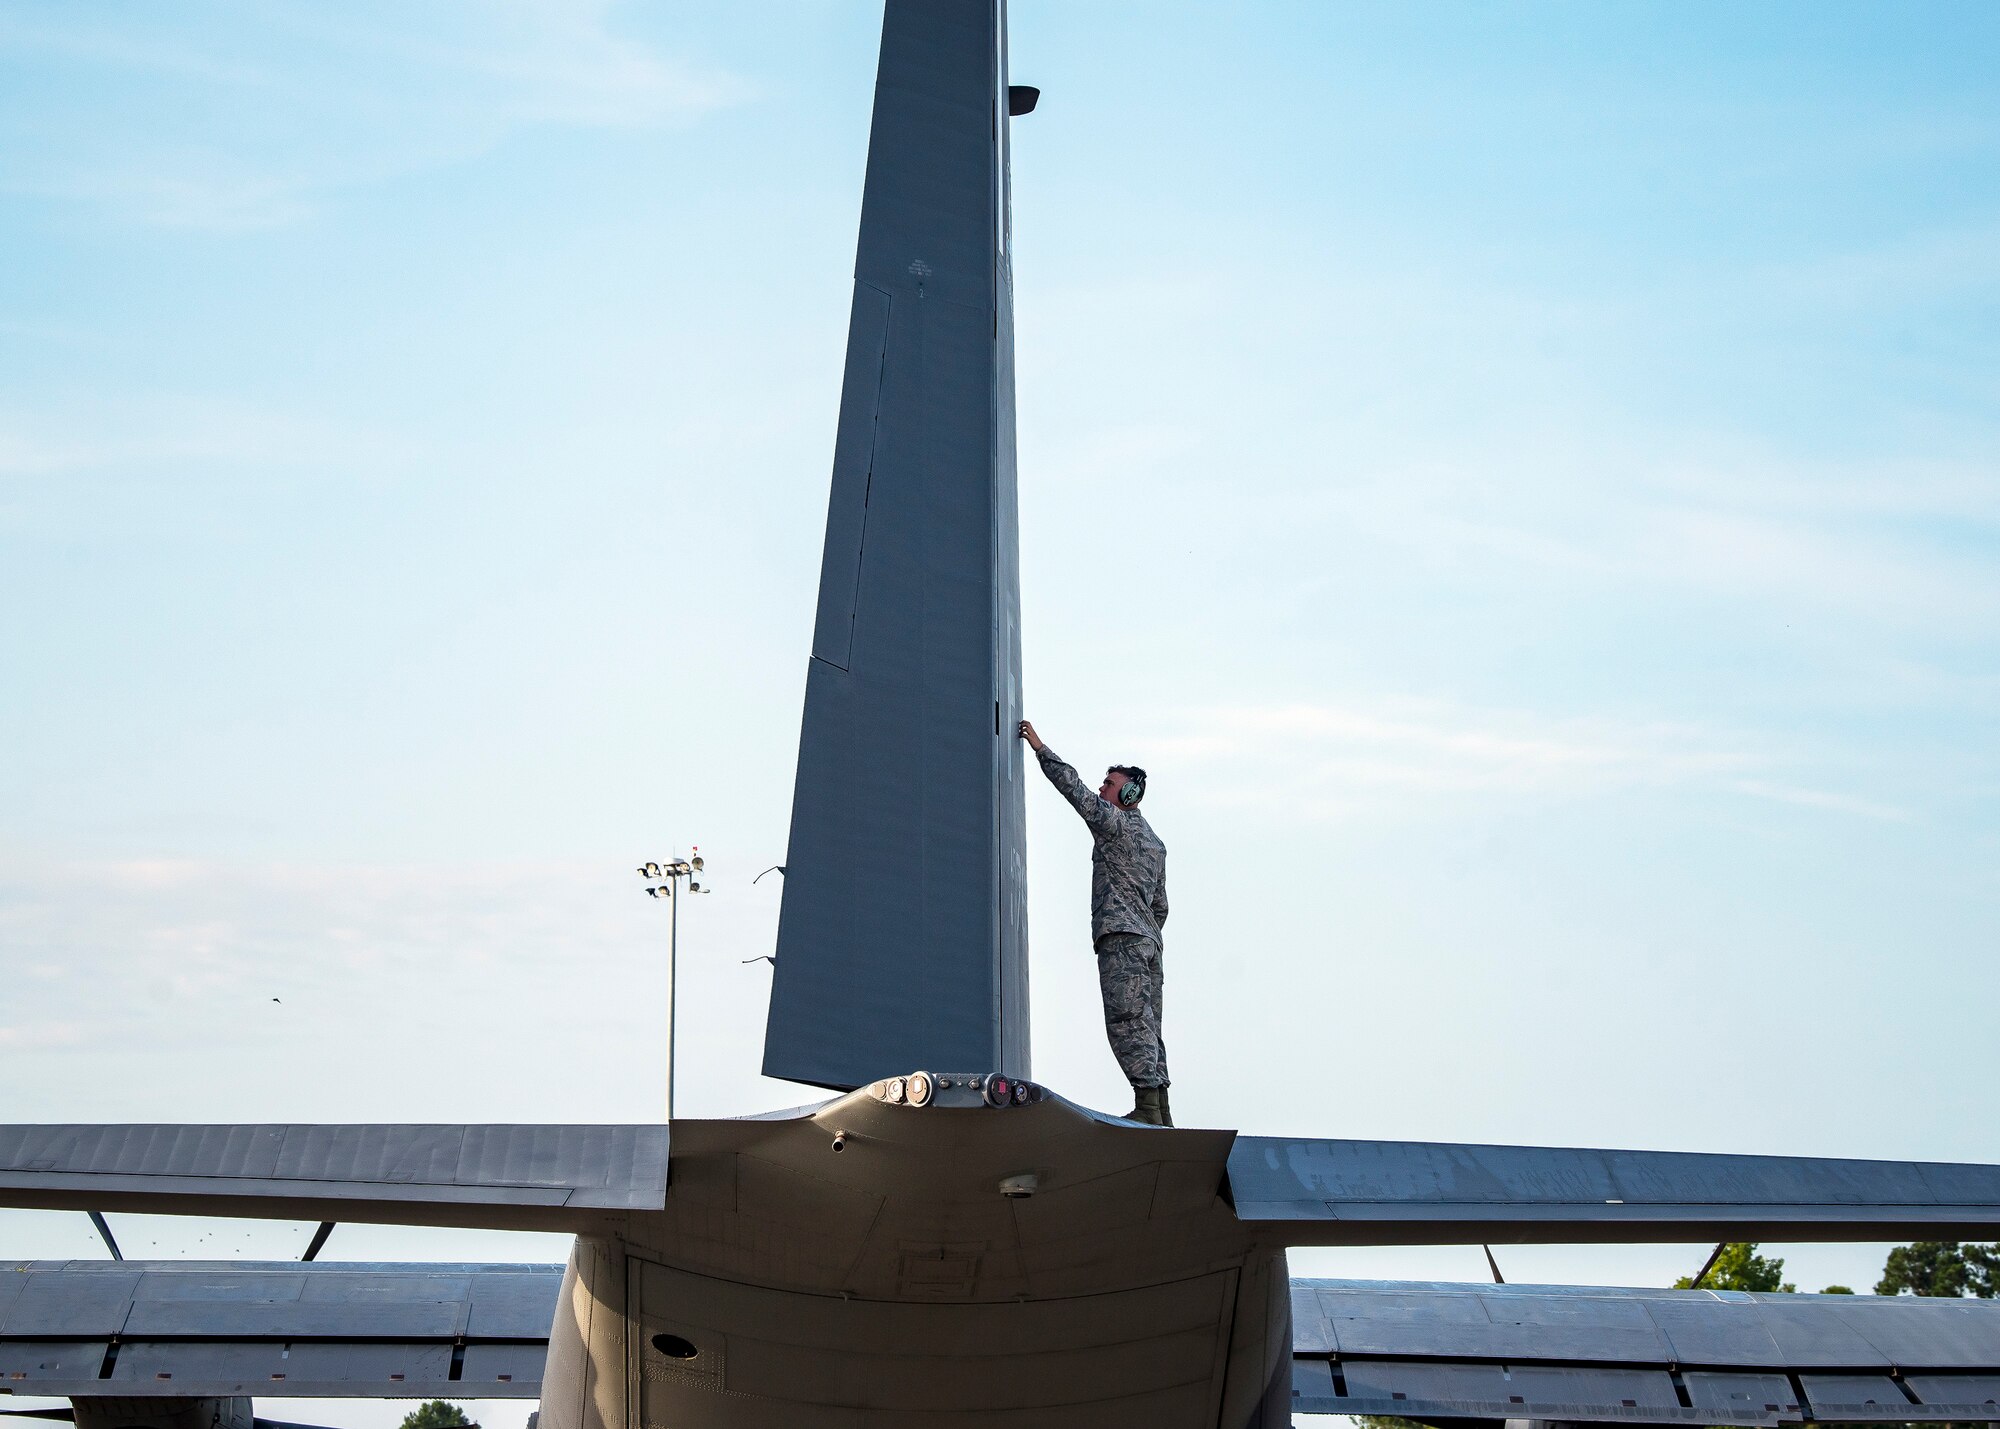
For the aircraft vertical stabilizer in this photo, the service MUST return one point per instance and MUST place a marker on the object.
(903, 937)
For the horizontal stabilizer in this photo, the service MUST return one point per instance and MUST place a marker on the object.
(559, 1178)
(1432, 1193)
(1586, 1354)
(194, 1329)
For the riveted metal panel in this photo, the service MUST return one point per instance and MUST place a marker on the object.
(1705, 1328)
(1388, 1192)
(421, 1155)
(521, 1177)
(39, 1366)
(1731, 1348)
(1967, 1395)
(902, 933)
(1826, 1333)
(1313, 1390)
(1148, 1355)
(1469, 1321)
(490, 1368)
(1404, 1387)
(1861, 1398)
(1742, 1398)
(1912, 1330)
(1594, 1389)
(1432, 1390)
(320, 1330)
(94, 1303)
(512, 1306)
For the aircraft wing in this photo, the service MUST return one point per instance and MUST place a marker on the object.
(1588, 1354)
(187, 1329)
(559, 1178)
(1306, 1192)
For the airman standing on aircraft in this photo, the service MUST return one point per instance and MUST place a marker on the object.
(1128, 907)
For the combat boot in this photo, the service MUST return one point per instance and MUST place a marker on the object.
(1148, 1107)
(1166, 1111)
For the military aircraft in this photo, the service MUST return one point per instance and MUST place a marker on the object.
(947, 1242)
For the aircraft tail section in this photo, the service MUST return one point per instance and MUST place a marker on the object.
(902, 941)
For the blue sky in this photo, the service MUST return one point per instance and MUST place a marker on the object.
(1522, 478)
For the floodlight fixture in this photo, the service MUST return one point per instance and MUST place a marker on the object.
(670, 873)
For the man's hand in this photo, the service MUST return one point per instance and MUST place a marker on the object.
(1034, 740)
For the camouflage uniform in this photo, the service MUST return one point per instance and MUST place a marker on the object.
(1128, 907)
(1131, 975)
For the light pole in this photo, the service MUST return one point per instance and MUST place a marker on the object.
(673, 872)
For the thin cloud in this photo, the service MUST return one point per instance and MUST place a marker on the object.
(41, 1037)
(1883, 546)
(254, 123)
(208, 913)
(1931, 264)
(202, 193)
(1534, 472)
(165, 943)
(148, 432)
(114, 43)
(1821, 799)
(536, 61)
(1346, 753)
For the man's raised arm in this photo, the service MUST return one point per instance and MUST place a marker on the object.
(1102, 817)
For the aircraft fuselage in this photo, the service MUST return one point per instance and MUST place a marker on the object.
(893, 1264)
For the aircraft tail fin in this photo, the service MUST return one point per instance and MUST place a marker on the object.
(902, 940)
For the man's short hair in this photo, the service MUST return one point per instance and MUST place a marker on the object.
(1134, 773)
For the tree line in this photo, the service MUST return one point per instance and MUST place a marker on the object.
(1926, 1267)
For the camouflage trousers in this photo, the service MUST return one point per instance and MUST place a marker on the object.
(1130, 975)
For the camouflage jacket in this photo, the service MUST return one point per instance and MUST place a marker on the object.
(1128, 865)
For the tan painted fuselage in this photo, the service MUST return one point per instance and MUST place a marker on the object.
(865, 1263)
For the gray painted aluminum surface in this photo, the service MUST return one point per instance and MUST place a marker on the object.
(1596, 1354)
(219, 1329)
(902, 940)
(1598, 1324)
(1404, 1192)
(509, 1177)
